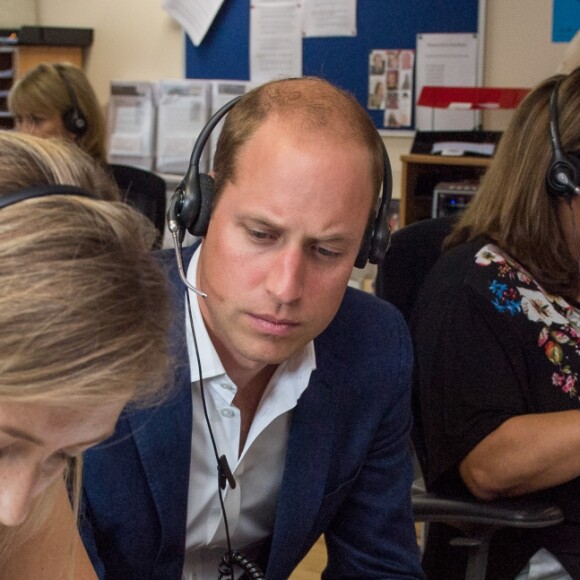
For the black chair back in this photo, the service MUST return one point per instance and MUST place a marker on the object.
(145, 191)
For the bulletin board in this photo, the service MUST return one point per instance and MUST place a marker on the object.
(388, 24)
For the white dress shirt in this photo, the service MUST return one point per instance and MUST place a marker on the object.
(250, 507)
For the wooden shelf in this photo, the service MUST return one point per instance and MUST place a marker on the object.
(421, 173)
(16, 61)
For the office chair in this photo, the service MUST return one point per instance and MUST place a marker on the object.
(146, 192)
(414, 249)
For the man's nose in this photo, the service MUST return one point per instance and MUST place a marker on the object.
(287, 274)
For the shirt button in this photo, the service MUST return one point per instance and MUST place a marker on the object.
(227, 413)
(227, 386)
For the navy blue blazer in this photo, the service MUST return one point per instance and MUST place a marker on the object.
(347, 474)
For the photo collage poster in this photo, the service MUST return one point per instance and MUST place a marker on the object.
(391, 86)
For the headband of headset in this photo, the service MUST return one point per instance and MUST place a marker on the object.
(191, 204)
(41, 191)
(73, 118)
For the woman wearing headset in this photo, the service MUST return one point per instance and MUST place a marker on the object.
(83, 313)
(497, 340)
(57, 100)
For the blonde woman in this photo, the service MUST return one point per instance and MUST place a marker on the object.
(83, 315)
(57, 100)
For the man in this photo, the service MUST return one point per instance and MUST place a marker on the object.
(305, 383)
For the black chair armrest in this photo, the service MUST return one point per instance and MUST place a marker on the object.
(516, 512)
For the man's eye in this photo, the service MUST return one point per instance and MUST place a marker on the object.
(325, 252)
(260, 236)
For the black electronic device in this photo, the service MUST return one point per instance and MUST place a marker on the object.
(451, 197)
(191, 204)
(563, 176)
(73, 118)
(41, 191)
(426, 142)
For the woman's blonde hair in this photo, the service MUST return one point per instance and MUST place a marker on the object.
(47, 88)
(83, 302)
(512, 205)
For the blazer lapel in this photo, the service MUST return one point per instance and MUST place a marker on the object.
(163, 438)
(308, 459)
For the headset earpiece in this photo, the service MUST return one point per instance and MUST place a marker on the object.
(377, 238)
(191, 204)
(563, 176)
(207, 191)
(73, 119)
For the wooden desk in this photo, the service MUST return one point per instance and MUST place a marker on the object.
(421, 173)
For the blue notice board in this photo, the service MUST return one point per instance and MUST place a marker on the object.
(381, 24)
(566, 20)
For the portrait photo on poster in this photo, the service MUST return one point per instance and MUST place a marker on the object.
(391, 85)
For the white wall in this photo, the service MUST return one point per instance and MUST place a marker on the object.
(137, 40)
(16, 13)
(133, 39)
(519, 51)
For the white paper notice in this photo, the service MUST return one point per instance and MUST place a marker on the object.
(195, 16)
(130, 119)
(275, 40)
(329, 18)
(182, 113)
(445, 60)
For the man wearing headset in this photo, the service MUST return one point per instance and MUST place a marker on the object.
(297, 387)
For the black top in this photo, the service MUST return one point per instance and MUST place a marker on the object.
(491, 344)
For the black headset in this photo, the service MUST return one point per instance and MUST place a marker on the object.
(191, 204)
(41, 191)
(563, 177)
(73, 118)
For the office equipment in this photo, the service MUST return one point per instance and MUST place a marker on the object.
(481, 143)
(451, 197)
(421, 174)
